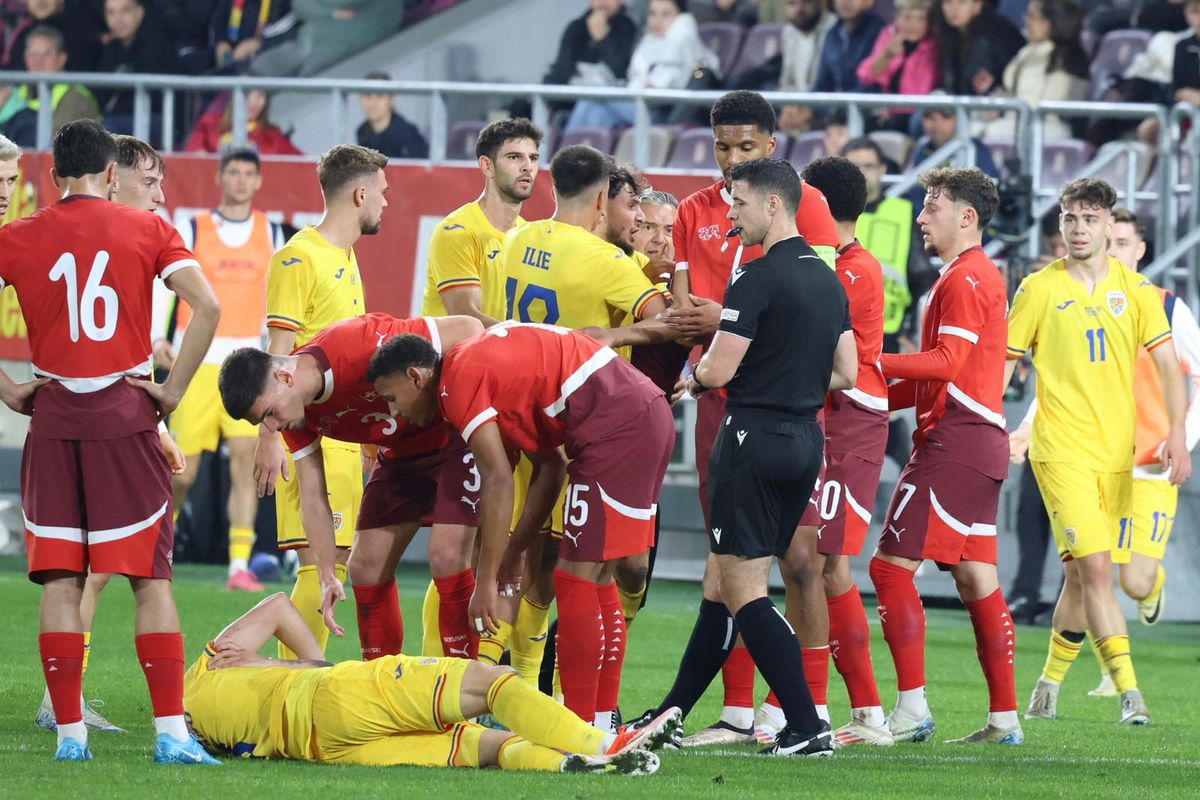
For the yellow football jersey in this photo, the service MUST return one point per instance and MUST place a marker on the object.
(311, 284)
(1084, 348)
(465, 251)
(561, 274)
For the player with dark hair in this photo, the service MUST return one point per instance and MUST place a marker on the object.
(707, 251)
(946, 500)
(95, 483)
(1085, 318)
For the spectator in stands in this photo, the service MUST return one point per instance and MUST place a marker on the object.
(846, 45)
(905, 60)
(330, 31)
(595, 48)
(1185, 74)
(186, 23)
(743, 12)
(80, 29)
(45, 52)
(837, 133)
(1160, 16)
(385, 130)
(138, 45)
(213, 130)
(664, 59)
(976, 45)
(1051, 67)
(940, 126)
(238, 28)
(17, 122)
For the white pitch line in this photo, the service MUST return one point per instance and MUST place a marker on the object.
(964, 759)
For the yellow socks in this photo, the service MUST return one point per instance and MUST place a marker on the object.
(491, 647)
(1114, 653)
(630, 603)
(87, 650)
(537, 717)
(431, 631)
(528, 641)
(517, 754)
(241, 543)
(1159, 582)
(306, 595)
(1064, 649)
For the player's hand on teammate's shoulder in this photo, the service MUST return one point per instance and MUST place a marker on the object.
(701, 319)
(270, 462)
(332, 593)
(1018, 443)
(176, 460)
(20, 399)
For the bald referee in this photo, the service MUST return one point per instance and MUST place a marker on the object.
(783, 342)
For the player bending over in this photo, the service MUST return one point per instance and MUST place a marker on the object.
(393, 710)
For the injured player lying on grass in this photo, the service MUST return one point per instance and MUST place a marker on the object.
(392, 710)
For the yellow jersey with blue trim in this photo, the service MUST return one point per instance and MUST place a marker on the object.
(1084, 346)
(464, 252)
(311, 284)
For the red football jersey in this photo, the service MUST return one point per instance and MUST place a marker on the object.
(84, 270)
(348, 409)
(862, 277)
(520, 375)
(701, 225)
(966, 414)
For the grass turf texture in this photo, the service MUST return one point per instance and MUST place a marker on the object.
(1084, 753)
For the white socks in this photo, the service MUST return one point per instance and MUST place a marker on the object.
(913, 702)
(175, 726)
(1003, 719)
(738, 717)
(73, 730)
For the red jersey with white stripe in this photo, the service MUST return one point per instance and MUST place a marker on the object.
(856, 419)
(958, 389)
(348, 408)
(84, 270)
(521, 376)
(702, 223)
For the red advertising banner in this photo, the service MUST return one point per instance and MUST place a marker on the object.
(392, 261)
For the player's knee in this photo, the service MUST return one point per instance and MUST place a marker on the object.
(632, 577)
(1137, 587)
(445, 560)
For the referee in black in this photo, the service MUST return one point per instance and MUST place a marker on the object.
(784, 341)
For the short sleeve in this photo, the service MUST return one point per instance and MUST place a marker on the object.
(466, 399)
(680, 235)
(302, 442)
(967, 302)
(453, 258)
(744, 304)
(289, 285)
(1023, 318)
(1153, 326)
(626, 287)
(172, 255)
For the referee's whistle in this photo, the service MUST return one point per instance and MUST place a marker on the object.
(732, 233)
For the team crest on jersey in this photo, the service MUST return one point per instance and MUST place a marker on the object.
(1116, 303)
(370, 397)
(710, 232)
(1069, 533)
(337, 521)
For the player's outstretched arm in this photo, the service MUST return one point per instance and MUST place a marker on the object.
(496, 497)
(275, 617)
(467, 301)
(317, 518)
(193, 288)
(1175, 455)
(845, 363)
(549, 472)
(700, 318)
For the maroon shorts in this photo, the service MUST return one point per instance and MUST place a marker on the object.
(710, 413)
(943, 510)
(102, 504)
(620, 434)
(843, 501)
(436, 488)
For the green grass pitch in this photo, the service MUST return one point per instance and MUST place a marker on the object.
(1083, 754)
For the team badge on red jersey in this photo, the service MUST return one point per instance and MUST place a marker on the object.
(709, 232)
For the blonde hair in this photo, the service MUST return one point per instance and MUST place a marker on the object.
(914, 5)
(8, 150)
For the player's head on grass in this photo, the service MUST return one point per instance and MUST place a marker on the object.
(623, 214)
(743, 126)
(239, 176)
(84, 152)
(842, 183)
(354, 185)
(1085, 217)
(580, 174)
(262, 388)
(766, 194)
(507, 151)
(140, 174)
(959, 203)
(9, 155)
(1127, 239)
(405, 372)
(653, 237)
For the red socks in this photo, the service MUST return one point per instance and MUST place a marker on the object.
(609, 688)
(995, 641)
(738, 676)
(816, 675)
(161, 656)
(380, 624)
(459, 640)
(850, 645)
(903, 619)
(62, 664)
(580, 642)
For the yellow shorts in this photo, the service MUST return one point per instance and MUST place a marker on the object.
(395, 710)
(521, 477)
(344, 480)
(201, 422)
(1089, 511)
(1154, 504)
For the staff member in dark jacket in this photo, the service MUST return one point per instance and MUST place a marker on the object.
(783, 342)
(604, 35)
(976, 44)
